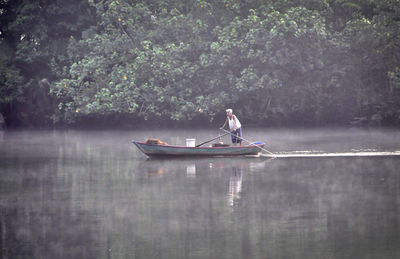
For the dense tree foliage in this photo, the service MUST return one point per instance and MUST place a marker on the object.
(276, 62)
(33, 38)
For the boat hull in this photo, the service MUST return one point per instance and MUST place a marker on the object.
(168, 150)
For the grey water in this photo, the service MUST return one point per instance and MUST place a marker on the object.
(92, 194)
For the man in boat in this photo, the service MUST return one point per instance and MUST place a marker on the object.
(234, 126)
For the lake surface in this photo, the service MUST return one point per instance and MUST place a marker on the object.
(92, 194)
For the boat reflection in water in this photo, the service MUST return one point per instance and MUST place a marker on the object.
(198, 168)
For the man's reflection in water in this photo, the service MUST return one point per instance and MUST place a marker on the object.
(191, 170)
(235, 185)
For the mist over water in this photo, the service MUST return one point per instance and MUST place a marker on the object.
(92, 194)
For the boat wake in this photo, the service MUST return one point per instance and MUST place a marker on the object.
(305, 154)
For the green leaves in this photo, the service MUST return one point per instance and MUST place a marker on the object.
(274, 61)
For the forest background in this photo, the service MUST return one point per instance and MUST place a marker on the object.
(173, 62)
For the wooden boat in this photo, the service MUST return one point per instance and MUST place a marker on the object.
(151, 149)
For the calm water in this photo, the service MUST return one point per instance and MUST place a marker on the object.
(91, 194)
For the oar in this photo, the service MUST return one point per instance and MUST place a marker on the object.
(251, 143)
(212, 139)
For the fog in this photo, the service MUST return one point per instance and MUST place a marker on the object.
(92, 194)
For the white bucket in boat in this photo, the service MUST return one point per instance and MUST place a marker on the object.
(190, 142)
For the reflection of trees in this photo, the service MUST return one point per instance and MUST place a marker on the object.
(38, 219)
(94, 205)
(339, 205)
